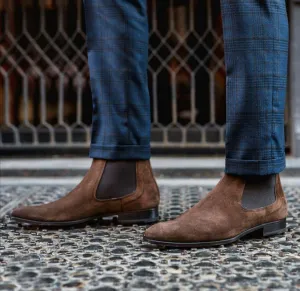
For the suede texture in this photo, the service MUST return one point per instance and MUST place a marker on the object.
(219, 215)
(82, 203)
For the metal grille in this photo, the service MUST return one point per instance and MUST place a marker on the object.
(44, 87)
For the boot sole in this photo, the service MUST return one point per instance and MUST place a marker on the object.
(126, 218)
(262, 230)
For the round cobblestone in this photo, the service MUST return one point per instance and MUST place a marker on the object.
(112, 257)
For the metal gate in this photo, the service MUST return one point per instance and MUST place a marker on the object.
(44, 88)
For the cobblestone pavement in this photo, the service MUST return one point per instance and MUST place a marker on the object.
(109, 257)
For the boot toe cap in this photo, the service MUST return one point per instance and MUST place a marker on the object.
(153, 232)
(162, 231)
(19, 212)
(26, 212)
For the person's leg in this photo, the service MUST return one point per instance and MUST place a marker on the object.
(256, 54)
(117, 39)
(256, 89)
(120, 181)
(249, 198)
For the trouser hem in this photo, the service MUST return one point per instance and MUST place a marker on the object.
(126, 152)
(254, 167)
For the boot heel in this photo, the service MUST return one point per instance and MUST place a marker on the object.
(139, 217)
(274, 228)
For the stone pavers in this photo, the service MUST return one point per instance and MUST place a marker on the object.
(110, 257)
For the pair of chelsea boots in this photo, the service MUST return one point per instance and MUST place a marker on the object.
(127, 191)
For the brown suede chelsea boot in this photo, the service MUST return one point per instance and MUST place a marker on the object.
(124, 190)
(222, 218)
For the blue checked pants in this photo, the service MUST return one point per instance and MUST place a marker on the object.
(256, 57)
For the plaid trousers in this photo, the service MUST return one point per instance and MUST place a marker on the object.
(256, 57)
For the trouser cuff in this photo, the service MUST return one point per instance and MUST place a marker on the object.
(254, 167)
(126, 152)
